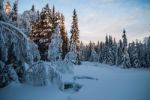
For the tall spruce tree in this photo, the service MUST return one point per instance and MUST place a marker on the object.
(119, 53)
(33, 8)
(2, 17)
(74, 40)
(64, 37)
(15, 12)
(105, 51)
(126, 59)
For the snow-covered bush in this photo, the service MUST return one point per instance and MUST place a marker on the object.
(7, 74)
(33, 52)
(54, 76)
(63, 66)
(71, 57)
(36, 74)
(41, 73)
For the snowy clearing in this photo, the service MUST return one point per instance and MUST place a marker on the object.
(98, 82)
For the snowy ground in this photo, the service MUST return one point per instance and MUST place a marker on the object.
(99, 82)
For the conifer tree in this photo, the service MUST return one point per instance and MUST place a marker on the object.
(74, 40)
(33, 8)
(126, 59)
(55, 47)
(64, 37)
(15, 11)
(2, 17)
(54, 19)
(119, 53)
(105, 51)
(42, 31)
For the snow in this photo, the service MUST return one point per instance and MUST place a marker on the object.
(98, 81)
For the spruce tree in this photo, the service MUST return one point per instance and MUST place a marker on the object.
(2, 17)
(101, 52)
(55, 47)
(126, 59)
(54, 19)
(15, 12)
(105, 51)
(74, 40)
(119, 53)
(33, 8)
(64, 37)
(42, 31)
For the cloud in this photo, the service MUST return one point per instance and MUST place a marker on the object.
(98, 17)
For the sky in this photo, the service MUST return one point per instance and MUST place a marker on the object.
(100, 17)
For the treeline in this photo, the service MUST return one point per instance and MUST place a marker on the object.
(122, 53)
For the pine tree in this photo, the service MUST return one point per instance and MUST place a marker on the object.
(74, 40)
(82, 51)
(119, 54)
(133, 53)
(147, 52)
(33, 8)
(101, 52)
(105, 51)
(110, 58)
(54, 19)
(93, 56)
(42, 31)
(15, 11)
(126, 59)
(2, 15)
(64, 37)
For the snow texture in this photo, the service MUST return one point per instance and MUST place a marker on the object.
(99, 81)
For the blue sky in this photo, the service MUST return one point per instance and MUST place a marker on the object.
(100, 17)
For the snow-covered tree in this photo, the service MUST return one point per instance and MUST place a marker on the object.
(134, 57)
(82, 52)
(126, 59)
(55, 47)
(74, 40)
(26, 20)
(94, 56)
(2, 14)
(16, 49)
(105, 51)
(101, 50)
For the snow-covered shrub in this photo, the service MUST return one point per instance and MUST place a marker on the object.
(7, 74)
(63, 66)
(36, 74)
(33, 52)
(41, 73)
(54, 76)
(71, 57)
(4, 79)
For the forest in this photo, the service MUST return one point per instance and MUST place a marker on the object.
(35, 48)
